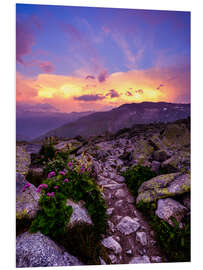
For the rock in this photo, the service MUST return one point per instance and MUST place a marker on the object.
(113, 186)
(160, 155)
(111, 226)
(120, 193)
(167, 208)
(33, 148)
(140, 259)
(109, 211)
(129, 252)
(79, 215)
(130, 198)
(156, 259)
(155, 166)
(102, 261)
(128, 225)
(186, 200)
(38, 250)
(27, 200)
(120, 179)
(143, 151)
(163, 186)
(113, 258)
(119, 203)
(23, 160)
(112, 244)
(142, 238)
(61, 145)
(180, 161)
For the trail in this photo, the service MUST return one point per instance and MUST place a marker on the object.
(129, 238)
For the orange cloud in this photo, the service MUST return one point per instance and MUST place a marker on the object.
(65, 92)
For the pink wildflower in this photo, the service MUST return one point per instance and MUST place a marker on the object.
(50, 194)
(66, 180)
(56, 187)
(62, 172)
(41, 186)
(70, 165)
(51, 174)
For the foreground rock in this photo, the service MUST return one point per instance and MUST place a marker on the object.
(23, 160)
(163, 186)
(35, 250)
(168, 208)
(128, 225)
(79, 215)
(26, 198)
(112, 244)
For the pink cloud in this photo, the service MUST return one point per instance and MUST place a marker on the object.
(46, 66)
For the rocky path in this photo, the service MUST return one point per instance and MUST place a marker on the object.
(129, 238)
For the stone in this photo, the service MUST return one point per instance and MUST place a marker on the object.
(163, 186)
(119, 203)
(111, 226)
(167, 208)
(112, 244)
(130, 198)
(109, 211)
(79, 215)
(23, 160)
(113, 258)
(113, 186)
(128, 225)
(160, 155)
(33, 148)
(102, 261)
(142, 238)
(120, 193)
(129, 252)
(155, 165)
(140, 259)
(38, 250)
(156, 259)
(186, 200)
(120, 179)
(27, 200)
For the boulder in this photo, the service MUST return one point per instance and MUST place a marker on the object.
(79, 215)
(128, 225)
(163, 186)
(38, 250)
(160, 155)
(26, 198)
(142, 238)
(120, 193)
(140, 259)
(23, 160)
(112, 244)
(167, 208)
(180, 161)
(143, 151)
(155, 165)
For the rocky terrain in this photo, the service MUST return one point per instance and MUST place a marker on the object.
(130, 237)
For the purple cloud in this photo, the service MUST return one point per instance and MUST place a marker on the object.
(161, 85)
(140, 91)
(102, 76)
(89, 77)
(113, 93)
(128, 93)
(46, 66)
(89, 97)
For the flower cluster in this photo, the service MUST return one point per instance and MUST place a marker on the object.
(70, 165)
(51, 174)
(50, 194)
(26, 186)
(62, 172)
(82, 169)
(66, 180)
(41, 186)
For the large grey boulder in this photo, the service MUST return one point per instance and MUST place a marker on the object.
(26, 198)
(38, 250)
(128, 225)
(163, 186)
(167, 208)
(79, 215)
(112, 244)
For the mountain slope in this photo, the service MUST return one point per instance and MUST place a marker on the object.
(124, 116)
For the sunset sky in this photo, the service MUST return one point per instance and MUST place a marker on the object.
(80, 59)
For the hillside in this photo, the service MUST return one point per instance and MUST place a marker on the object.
(122, 117)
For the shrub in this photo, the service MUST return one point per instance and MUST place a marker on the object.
(135, 176)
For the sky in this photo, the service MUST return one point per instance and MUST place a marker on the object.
(94, 59)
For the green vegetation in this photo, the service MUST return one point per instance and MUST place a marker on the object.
(174, 242)
(135, 176)
(70, 179)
